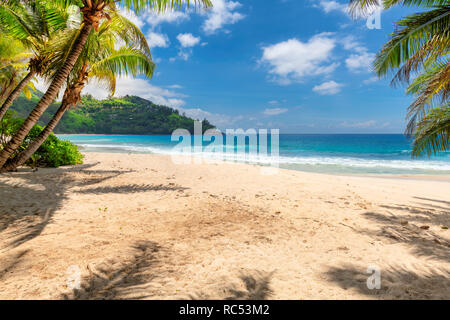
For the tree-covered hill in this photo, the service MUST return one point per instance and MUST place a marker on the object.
(126, 115)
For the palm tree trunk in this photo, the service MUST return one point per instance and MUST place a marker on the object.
(22, 157)
(6, 89)
(15, 93)
(49, 96)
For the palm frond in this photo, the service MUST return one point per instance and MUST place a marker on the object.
(361, 8)
(433, 132)
(119, 27)
(412, 41)
(125, 61)
(430, 88)
(161, 5)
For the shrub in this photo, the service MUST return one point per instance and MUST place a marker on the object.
(52, 153)
(8, 127)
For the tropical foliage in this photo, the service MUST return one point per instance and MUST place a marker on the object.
(60, 41)
(12, 67)
(52, 153)
(99, 60)
(32, 25)
(418, 53)
(126, 115)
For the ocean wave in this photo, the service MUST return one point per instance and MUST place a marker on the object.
(119, 147)
(336, 161)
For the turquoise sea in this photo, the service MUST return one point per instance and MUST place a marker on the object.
(351, 154)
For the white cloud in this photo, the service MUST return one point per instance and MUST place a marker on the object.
(328, 88)
(361, 125)
(361, 62)
(188, 40)
(292, 60)
(275, 111)
(371, 80)
(154, 18)
(274, 102)
(130, 15)
(351, 43)
(185, 55)
(220, 120)
(175, 86)
(162, 96)
(157, 40)
(331, 5)
(222, 13)
(141, 88)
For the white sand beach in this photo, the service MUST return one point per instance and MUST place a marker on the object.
(141, 227)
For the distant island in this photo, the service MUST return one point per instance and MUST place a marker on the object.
(125, 115)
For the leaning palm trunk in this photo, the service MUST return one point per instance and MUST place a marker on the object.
(6, 90)
(22, 157)
(15, 93)
(72, 96)
(49, 96)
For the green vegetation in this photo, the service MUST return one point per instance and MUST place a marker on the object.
(12, 69)
(419, 46)
(127, 115)
(101, 60)
(64, 28)
(32, 26)
(52, 153)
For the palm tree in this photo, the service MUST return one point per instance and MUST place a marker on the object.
(419, 45)
(99, 61)
(430, 112)
(93, 11)
(33, 24)
(12, 66)
(433, 131)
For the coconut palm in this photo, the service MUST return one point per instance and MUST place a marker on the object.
(93, 13)
(99, 61)
(433, 131)
(430, 112)
(33, 24)
(12, 66)
(418, 46)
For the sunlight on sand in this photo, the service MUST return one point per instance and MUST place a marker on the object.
(138, 226)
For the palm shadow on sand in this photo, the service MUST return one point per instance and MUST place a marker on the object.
(12, 263)
(411, 227)
(408, 225)
(256, 287)
(24, 214)
(129, 280)
(251, 285)
(396, 282)
(22, 217)
(132, 188)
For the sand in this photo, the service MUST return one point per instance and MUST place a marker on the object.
(141, 227)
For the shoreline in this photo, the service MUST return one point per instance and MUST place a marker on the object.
(138, 226)
(342, 163)
(283, 134)
(401, 176)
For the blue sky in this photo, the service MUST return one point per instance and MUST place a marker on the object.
(299, 66)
